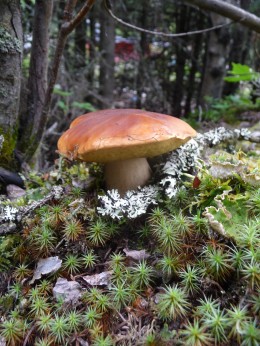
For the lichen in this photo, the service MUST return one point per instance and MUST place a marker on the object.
(8, 43)
(180, 161)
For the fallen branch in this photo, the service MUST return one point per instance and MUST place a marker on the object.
(11, 218)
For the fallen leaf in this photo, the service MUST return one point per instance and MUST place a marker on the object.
(69, 291)
(137, 255)
(101, 279)
(46, 266)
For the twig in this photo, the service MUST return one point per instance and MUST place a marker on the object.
(159, 33)
(28, 335)
(11, 227)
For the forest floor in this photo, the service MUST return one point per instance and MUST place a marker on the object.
(184, 273)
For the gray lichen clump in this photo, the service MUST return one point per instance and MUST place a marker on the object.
(180, 161)
(8, 43)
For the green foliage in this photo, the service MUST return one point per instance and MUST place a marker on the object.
(12, 330)
(72, 263)
(142, 274)
(216, 321)
(173, 303)
(237, 319)
(241, 73)
(227, 109)
(85, 106)
(98, 233)
(89, 259)
(169, 265)
(190, 279)
(195, 335)
(217, 262)
(59, 329)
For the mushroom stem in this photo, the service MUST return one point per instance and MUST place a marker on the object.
(127, 175)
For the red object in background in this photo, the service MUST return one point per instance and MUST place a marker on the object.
(125, 50)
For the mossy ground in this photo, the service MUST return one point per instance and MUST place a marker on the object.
(188, 283)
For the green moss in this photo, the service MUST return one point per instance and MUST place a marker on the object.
(8, 43)
(8, 146)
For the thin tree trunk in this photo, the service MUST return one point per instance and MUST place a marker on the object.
(144, 49)
(80, 45)
(181, 26)
(107, 48)
(10, 76)
(37, 82)
(197, 48)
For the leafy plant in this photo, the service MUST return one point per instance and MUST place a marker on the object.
(98, 233)
(72, 263)
(190, 279)
(142, 274)
(172, 303)
(195, 335)
(241, 73)
(217, 262)
(216, 321)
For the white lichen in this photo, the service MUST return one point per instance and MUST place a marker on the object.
(8, 214)
(180, 161)
(57, 192)
(132, 205)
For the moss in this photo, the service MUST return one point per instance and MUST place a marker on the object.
(8, 43)
(8, 146)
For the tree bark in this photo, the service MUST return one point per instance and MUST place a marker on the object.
(216, 59)
(80, 44)
(10, 76)
(182, 25)
(37, 82)
(107, 48)
(230, 11)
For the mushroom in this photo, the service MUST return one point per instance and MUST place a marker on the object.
(122, 139)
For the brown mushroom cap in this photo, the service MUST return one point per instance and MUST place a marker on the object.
(121, 134)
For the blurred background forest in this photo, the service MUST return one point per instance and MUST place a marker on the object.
(105, 64)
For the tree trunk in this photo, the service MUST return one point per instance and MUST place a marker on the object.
(216, 59)
(37, 82)
(197, 44)
(80, 43)
(144, 49)
(10, 76)
(182, 23)
(107, 49)
(239, 48)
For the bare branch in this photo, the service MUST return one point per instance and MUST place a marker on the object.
(158, 33)
(230, 11)
(15, 225)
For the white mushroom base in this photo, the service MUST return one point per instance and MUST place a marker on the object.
(127, 175)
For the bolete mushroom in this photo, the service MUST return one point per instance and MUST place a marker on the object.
(122, 139)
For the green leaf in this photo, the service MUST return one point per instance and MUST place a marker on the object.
(60, 92)
(62, 105)
(84, 105)
(240, 73)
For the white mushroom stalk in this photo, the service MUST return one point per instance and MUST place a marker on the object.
(125, 175)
